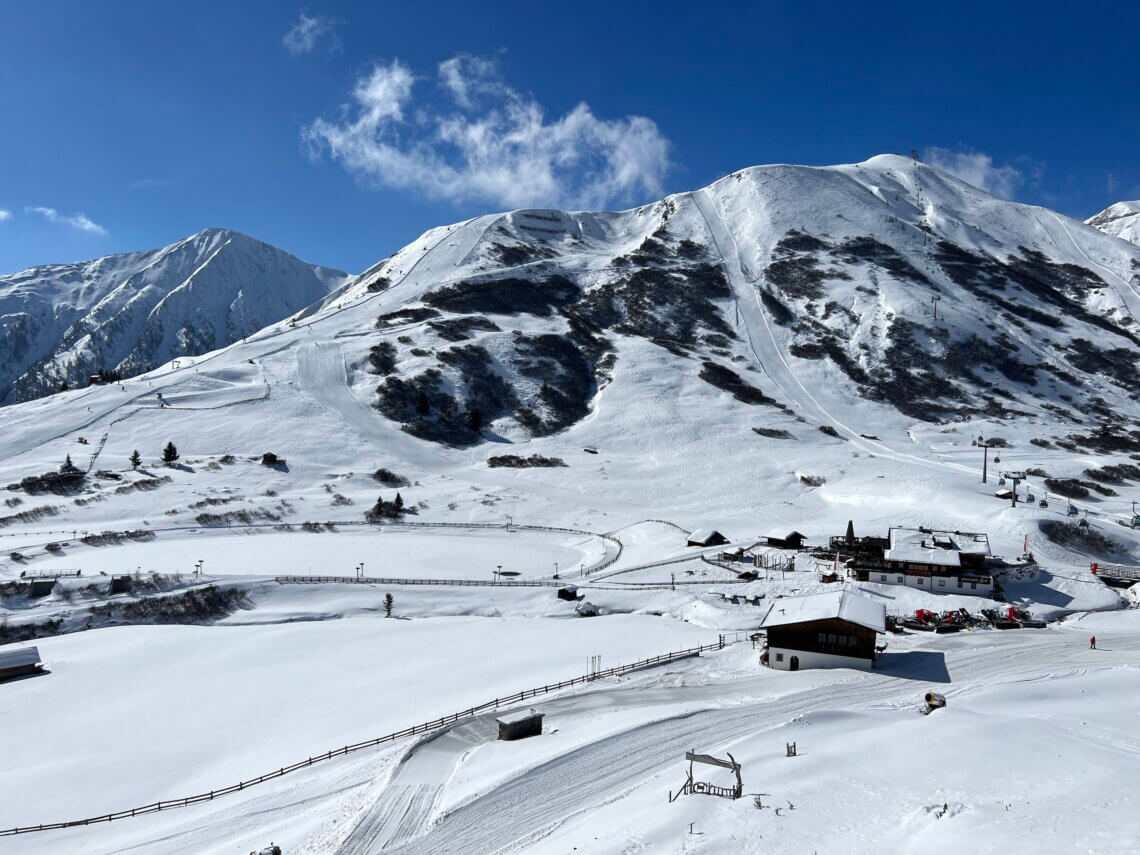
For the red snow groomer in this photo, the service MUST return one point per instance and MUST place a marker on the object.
(950, 622)
(924, 620)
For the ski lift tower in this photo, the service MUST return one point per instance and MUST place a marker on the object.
(986, 445)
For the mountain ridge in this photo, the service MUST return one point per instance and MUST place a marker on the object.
(128, 313)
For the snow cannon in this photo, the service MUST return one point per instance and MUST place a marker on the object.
(934, 701)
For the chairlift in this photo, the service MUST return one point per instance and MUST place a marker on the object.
(1029, 497)
(997, 459)
(1001, 480)
(1042, 504)
(1073, 511)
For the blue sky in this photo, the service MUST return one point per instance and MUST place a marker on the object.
(340, 131)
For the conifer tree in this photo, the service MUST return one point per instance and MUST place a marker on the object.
(169, 454)
(389, 602)
(136, 459)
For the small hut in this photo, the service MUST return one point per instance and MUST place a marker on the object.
(520, 724)
(41, 587)
(19, 663)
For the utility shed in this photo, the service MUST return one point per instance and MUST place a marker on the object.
(19, 663)
(41, 587)
(785, 538)
(706, 537)
(520, 724)
(833, 630)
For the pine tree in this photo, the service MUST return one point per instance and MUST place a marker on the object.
(423, 406)
(136, 459)
(67, 464)
(473, 419)
(399, 503)
(169, 454)
(389, 602)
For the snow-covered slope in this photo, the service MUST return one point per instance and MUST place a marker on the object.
(129, 313)
(1121, 220)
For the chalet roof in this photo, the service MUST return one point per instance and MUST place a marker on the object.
(704, 536)
(519, 716)
(844, 605)
(784, 534)
(18, 658)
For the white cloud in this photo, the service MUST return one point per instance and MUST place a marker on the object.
(78, 221)
(303, 37)
(493, 144)
(5, 215)
(977, 169)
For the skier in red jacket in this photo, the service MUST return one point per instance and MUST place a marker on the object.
(1092, 643)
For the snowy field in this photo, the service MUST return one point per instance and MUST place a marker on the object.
(1033, 754)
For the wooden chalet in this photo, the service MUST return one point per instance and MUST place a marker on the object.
(833, 630)
(706, 537)
(785, 538)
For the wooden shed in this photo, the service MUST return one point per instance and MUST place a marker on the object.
(19, 663)
(520, 724)
(785, 538)
(706, 537)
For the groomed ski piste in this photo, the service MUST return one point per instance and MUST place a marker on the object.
(1033, 753)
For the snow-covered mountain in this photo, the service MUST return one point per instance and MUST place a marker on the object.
(129, 313)
(1121, 220)
(828, 293)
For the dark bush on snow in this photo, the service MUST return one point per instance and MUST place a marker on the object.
(389, 478)
(514, 461)
(730, 381)
(1070, 487)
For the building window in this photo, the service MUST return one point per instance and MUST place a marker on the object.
(779, 657)
(974, 585)
(822, 639)
(941, 583)
(899, 580)
(833, 638)
(883, 578)
(920, 581)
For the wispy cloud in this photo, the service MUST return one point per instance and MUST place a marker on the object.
(488, 142)
(306, 34)
(77, 221)
(5, 215)
(147, 183)
(978, 169)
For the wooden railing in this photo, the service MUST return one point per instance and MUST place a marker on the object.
(414, 730)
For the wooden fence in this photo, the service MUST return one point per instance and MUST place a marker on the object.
(414, 730)
(381, 580)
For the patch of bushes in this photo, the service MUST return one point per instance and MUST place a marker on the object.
(1085, 539)
(773, 433)
(389, 478)
(407, 315)
(382, 357)
(460, 329)
(830, 431)
(728, 380)
(1070, 487)
(508, 296)
(514, 461)
(30, 515)
(812, 480)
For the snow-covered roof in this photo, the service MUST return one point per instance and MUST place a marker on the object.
(783, 534)
(844, 605)
(934, 546)
(17, 658)
(518, 716)
(704, 535)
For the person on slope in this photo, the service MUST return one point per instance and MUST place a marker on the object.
(1092, 643)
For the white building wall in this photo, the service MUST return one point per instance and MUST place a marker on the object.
(781, 659)
(951, 585)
